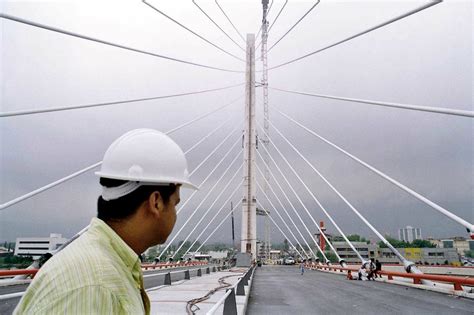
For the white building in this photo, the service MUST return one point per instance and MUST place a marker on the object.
(37, 246)
(409, 234)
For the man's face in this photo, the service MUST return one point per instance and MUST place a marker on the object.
(168, 218)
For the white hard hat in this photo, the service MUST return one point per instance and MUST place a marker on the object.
(146, 156)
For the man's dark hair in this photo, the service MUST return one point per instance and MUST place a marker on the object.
(125, 206)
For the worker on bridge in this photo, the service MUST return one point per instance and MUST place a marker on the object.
(100, 272)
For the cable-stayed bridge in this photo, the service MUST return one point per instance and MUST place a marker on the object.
(252, 161)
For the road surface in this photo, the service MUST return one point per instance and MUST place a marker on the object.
(283, 290)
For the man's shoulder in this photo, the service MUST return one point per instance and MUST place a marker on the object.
(83, 262)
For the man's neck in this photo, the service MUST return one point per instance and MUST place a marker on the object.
(130, 234)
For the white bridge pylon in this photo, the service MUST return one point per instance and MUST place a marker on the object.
(248, 240)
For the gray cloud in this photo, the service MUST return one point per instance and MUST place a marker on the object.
(425, 59)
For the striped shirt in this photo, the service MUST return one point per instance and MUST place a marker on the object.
(98, 273)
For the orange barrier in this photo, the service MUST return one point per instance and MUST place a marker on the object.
(458, 282)
(422, 265)
(17, 272)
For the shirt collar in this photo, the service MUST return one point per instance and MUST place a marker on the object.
(126, 254)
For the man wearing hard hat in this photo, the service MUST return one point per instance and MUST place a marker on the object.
(100, 272)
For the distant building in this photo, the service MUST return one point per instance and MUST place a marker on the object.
(367, 251)
(218, 257)
(37, 246)
(461, 244)
(261, 252)
(409, 234)
(431, 256)
(275, 254)
(385, 255)
(212, 256)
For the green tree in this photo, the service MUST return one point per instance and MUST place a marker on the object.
(152, 253)
(354, 237)
(15, 261)
(469, 253)
(330, 255)
(422, 244)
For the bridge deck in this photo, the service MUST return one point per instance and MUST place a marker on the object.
(282, 290)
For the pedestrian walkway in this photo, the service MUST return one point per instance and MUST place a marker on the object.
(173, 299)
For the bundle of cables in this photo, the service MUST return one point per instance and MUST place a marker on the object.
(191, 306)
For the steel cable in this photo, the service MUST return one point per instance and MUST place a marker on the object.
(431, 3)
(228, 19)
(217, 25)
(209, 223)
(310, 192)
(291, 219)
(88, 168)
(438, 110)
(278, 227)
(61, 31)
(193, 32)
(291, 28)
(301, 202)
(466, 224)
(200, 204)
(217, 227)
(380, 236)
(209, 175)
(212, 205)
(63, 108)
(284, 222)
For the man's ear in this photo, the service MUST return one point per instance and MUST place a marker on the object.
(155, 202)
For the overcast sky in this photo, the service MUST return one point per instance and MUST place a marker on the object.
(425, 59)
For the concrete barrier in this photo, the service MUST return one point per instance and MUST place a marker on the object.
(230, 298)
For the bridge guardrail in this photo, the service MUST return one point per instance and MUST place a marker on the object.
(167, 280)
(18, 272)
(229, 298)
(457, 281)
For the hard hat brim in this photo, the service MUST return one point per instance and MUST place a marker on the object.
(184, 184)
